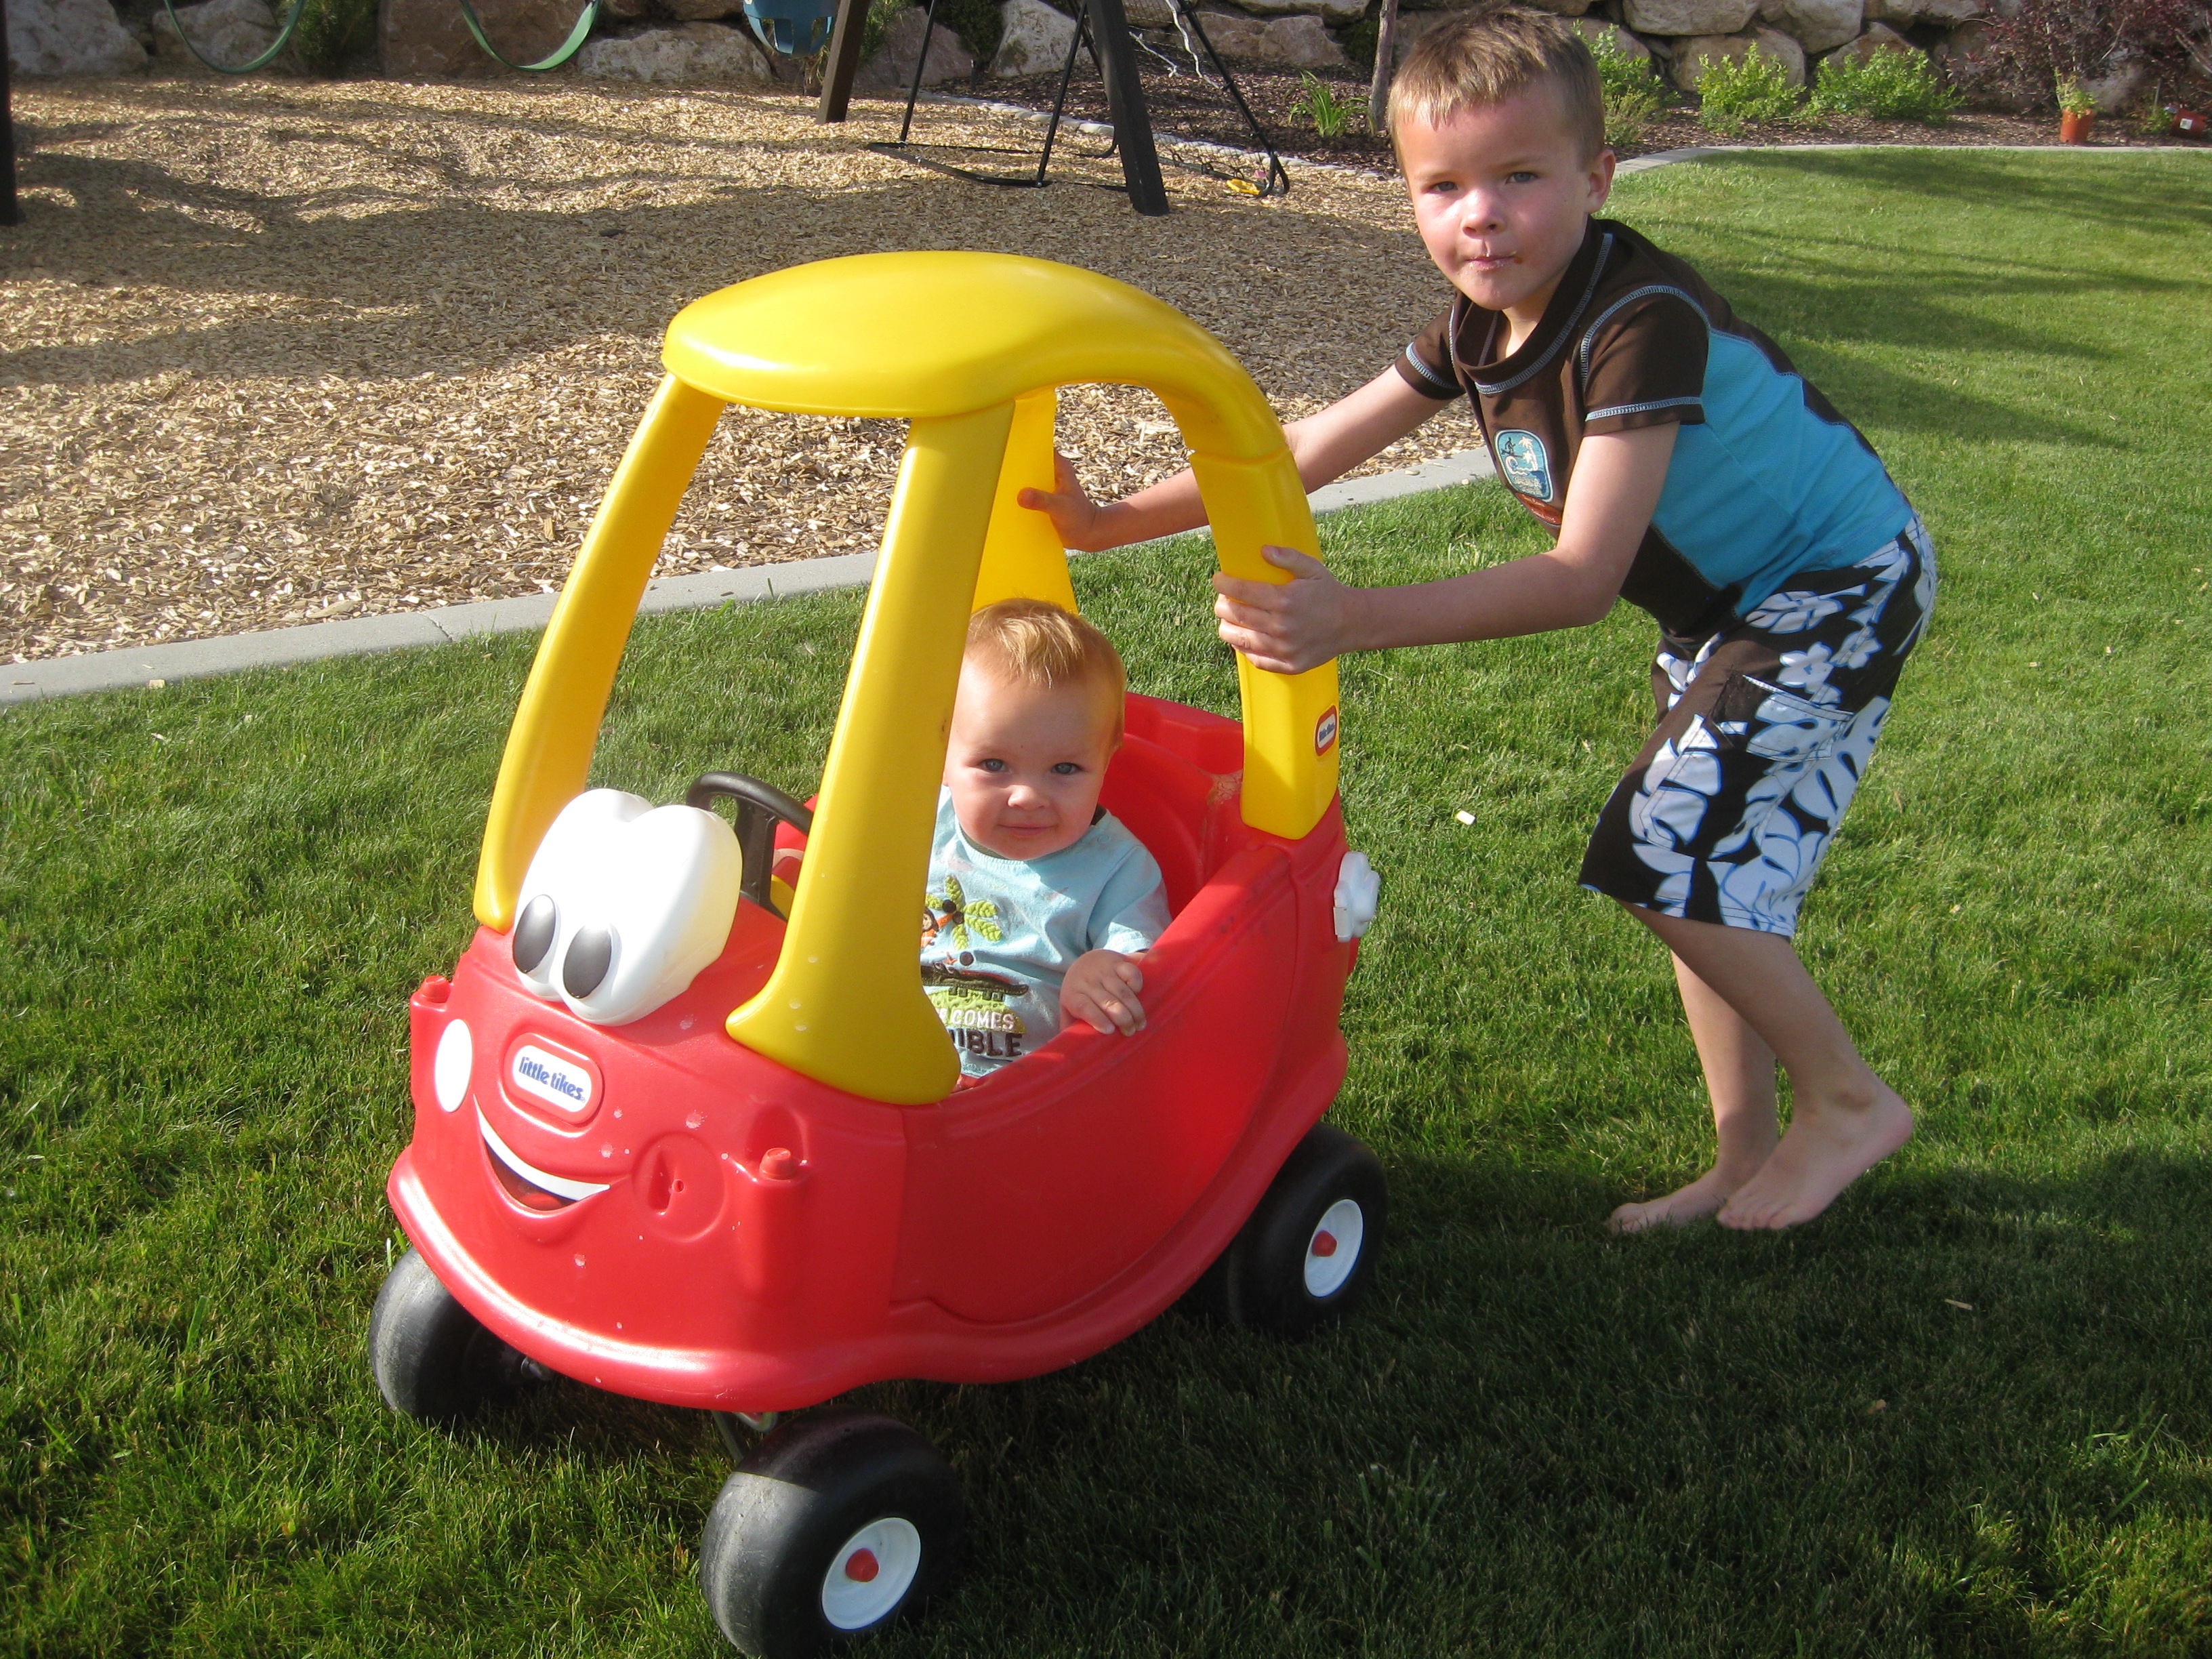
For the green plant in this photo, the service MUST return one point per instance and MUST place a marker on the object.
(1319, 103)
(1632, 92)
(975, 21)
(333, 33)
(1889, 85)
(1733, 92)
(2072, 100)
(878, 24)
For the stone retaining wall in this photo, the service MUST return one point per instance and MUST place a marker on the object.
(696, 40)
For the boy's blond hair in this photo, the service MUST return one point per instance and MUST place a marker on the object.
(1487, 57)
(1035, 643)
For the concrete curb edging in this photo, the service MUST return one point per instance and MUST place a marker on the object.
(229, 654)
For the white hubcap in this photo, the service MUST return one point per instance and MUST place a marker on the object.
(1334, 1250)
(871, 1573)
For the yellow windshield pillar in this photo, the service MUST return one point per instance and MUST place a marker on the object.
(548, 747)
(1291, 721)
(845, 1004)
(1023, 558)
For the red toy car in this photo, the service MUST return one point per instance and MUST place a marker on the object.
(615, 1178)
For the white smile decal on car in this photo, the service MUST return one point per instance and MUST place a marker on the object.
(559, 1186)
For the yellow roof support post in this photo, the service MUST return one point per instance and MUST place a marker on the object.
(1022, 555)
(844, 1005)
(1291, 750)
(548, 747)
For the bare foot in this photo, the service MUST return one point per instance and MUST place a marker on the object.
(1826, 1149)
(1679, 1208)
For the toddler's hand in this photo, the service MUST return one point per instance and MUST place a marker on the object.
(1101, 988)
(1286, 628)
(1078, 520)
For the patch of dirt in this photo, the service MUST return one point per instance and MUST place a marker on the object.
(278, 351)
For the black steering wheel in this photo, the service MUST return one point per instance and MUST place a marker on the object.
(761, 807)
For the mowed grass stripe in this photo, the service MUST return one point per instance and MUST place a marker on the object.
(1539, 1439)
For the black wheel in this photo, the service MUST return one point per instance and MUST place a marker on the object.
(433, 1360)
(1306, 1255)
(837, 1525)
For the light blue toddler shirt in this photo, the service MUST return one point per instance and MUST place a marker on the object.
(998, 935)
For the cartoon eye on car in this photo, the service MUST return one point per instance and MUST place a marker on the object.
(686, 1124)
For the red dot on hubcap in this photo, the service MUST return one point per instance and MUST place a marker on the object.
(1324, 1244)
(860, 1566)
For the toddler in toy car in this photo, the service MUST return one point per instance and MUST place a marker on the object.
(1039, 899)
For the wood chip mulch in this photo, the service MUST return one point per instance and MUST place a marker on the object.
(278, 351)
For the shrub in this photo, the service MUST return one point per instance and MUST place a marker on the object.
(1632, 92)
(1754, 88)
(1890, 86)
(2023, 57)
(1319, 103)
(331, 32)
(976, 22)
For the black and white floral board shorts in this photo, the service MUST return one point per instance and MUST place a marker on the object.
(1765, 730)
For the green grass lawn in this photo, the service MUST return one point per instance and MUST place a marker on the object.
(1968, 1412)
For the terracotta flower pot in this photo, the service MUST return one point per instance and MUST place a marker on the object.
(2073, 125)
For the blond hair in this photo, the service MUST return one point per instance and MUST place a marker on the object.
(1483, 58)
(1034, 642)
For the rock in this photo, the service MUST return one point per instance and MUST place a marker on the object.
(1594, 29)
(1942, 14)
(1816, 25)
(891, 69)
(1336, 11)
(1563, 8)
(1294, 42)
(703, 11)
(69, 37)
(228, 31)
(1691, 54)
(685, 51)
(1234, 34)
(1033, 40)
(2116, 91)
(1879, 37)
(1300, 43)
(427, 38)
(1688, 16)
(1412, 26)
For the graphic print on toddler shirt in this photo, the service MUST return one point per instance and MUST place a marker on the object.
(970, 1000)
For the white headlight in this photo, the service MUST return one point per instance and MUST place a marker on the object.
(449, 1072)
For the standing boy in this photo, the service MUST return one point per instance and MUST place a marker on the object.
(1685, 465)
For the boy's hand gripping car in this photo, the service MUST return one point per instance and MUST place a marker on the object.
(669, 1143)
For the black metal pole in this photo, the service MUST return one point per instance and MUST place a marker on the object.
(844, 60)
(11, 210)
(1125, 107)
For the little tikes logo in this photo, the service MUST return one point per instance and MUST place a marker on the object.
(547, 1077)
(1325, 731)
(1528, 469)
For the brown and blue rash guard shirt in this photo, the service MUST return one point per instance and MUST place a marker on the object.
(1766, 479)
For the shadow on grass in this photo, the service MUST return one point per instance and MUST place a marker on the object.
(1948, 1411)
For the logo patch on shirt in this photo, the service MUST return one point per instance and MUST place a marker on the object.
(1528, 469)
